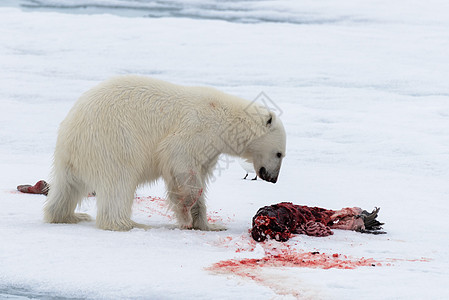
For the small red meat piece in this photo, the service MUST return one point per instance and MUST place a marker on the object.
(41, 187)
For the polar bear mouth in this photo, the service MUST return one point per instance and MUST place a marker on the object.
(263, 174)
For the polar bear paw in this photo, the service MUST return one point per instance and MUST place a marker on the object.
(205, 227)
(70, 219)
(211, 227)
(216, 227)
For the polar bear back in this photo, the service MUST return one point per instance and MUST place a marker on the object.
(125, 121)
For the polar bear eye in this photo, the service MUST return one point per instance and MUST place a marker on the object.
(279, 154)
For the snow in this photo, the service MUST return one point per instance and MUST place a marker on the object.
(365, 101)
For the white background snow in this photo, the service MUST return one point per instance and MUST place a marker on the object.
(364, 92)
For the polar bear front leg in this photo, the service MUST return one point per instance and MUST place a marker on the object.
(184, 189)
(199, 215)
(188, 202)
(186, 195)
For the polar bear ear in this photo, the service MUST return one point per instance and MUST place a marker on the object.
(270, 120)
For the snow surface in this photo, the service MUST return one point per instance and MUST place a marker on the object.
(364, 92)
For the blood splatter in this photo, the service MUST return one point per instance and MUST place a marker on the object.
(422, 259)
(285, 255)
(252, 268)
(239, 243)
(216, 216)
(151, 205)
(294, 258)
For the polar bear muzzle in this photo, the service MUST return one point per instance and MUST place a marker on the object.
(266, 176)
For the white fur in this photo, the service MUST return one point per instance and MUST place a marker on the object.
(247, 165)
(132, 130)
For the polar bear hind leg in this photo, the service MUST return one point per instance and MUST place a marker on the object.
(64, 196)
(114, 209)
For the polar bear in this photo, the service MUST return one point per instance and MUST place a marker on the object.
(131, 130)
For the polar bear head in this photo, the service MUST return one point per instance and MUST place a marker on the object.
(267, 150)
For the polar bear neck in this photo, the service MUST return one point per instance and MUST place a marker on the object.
(232, 121)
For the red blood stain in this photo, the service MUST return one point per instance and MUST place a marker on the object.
(287, 255)
(151, 205)
(237, 243)
(422, 259)
(292, 258)
(14, 192)
(251, 268)
(216, 216)
(213, 217)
